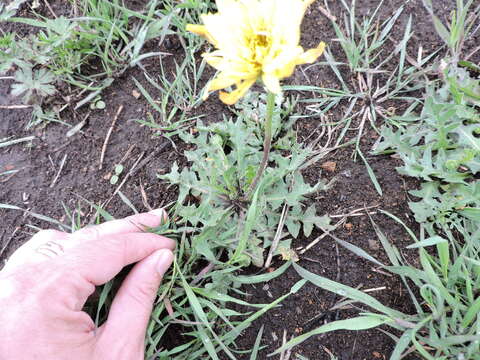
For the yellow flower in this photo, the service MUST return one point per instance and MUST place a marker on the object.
(254, 39)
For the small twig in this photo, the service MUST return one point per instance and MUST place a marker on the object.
(7, 78)
(15, 106)
(61, 147)
(327, 14)
(472, 53)
(127, 154)
(78, 127)
(312, 260)
(8, 177)
(109, 133)
(15, 172)
(158, 150)
(59, 171)
(355, 212)
(326, 233)
(284, 353)
(381, 272)
(355, 215)
(328, 352)
(50, 9)
(144, 197)
(375, 289)
(133, 171)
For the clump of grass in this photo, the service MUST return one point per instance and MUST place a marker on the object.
(86, 52)
(368, 84)
(441, 147)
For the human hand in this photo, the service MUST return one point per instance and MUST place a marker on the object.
(46, 282)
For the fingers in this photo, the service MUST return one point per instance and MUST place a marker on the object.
(96, 258)
(98, 261)
(35, 250)
(133, 304)
(135, 223)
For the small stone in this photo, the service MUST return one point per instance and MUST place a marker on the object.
(135, 94)
(373, 244)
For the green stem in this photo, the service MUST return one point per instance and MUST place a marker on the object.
(267, 144)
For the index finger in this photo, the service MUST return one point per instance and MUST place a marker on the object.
(134, 223)
(99, 260)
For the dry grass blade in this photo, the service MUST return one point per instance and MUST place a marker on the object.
(62, 164)
(109, 133)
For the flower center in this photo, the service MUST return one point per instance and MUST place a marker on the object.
(259, 43)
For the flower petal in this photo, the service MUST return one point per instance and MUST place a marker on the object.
(310, 56)
(222, 81)
(232, 97)
(272, 83)
(202, 31)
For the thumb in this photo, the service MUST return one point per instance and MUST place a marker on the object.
(132, 306)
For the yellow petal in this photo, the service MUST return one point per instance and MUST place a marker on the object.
(215, 61)
(284, 62)
(200, 30)
(311, 55)
(197, 29)
(272, 83)
(222, 81)
(232, 97)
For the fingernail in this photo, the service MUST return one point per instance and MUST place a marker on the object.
(165, 259)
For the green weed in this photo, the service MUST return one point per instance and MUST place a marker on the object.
(445, 325)
(373, 84)
(461, 26)
(87, 52)
(440, 146)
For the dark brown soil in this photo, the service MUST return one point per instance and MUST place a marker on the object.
(32, 188)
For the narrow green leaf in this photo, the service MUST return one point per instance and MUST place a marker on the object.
(255, 279)
(346, 291)
(434, 240)
(256, 346)
(370, 172)
(357, 323)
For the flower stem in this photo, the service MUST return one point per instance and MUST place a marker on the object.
(267, 143)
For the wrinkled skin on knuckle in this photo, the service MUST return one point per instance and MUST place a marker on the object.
(25, 253)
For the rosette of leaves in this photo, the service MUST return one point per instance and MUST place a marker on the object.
(212, 203)
(441, 146)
